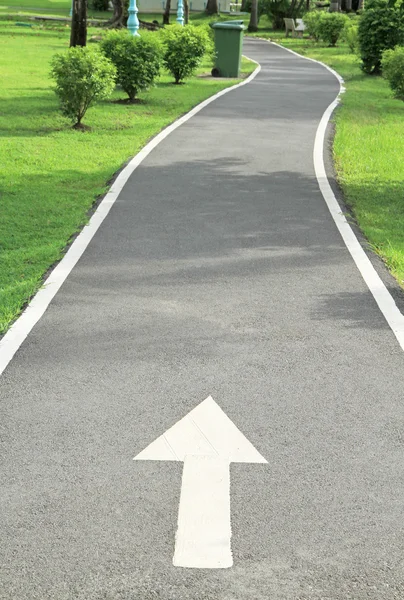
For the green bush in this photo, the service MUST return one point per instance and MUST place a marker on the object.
(83, 76)
(312, 21)
(184, 48)
(350, 35)
(330, 27)
(137, 59)
(393, 70)
(381, 27)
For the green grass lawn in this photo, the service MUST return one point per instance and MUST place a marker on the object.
(51, 174)
(368, 149)
(61, 8)
(18, 10)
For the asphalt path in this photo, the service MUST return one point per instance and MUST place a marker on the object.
(219, 271)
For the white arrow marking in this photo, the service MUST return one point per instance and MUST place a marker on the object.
(206, 441)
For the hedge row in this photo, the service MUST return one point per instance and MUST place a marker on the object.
(86, 75)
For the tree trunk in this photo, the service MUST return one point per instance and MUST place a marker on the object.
(253, 24)
(243, 5)
(166, 15)
(212, 7)
(117, 19)
(186, 12)
(290, 12)
(78, 35)
(75, 24)
(295, 8)
(348, 5)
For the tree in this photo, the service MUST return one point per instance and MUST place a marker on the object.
(166, 15)
(277, 10)
(78, 35)
(117, 18)
(253, 24)
(186, 12)
(212, 7)
(296, 7)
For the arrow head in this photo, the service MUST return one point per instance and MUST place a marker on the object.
(205, 431)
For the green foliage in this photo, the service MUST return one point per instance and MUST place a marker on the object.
(276, 11)
(99, 5)
(393, 70)
(137, 59)
(184, 48)
(381, 27)
(83, 76)
(330, 27)
(312, 21)
(261, 7)
(350, 35)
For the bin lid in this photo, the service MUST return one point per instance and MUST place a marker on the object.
(238, 25)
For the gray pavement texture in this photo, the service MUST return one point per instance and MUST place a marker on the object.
(218, 271)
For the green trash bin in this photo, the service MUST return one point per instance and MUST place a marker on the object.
(228, 47)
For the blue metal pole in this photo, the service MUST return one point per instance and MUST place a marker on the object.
(180, 12)
(133, 21)
(71, 9)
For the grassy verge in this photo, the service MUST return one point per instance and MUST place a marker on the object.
(51, 174)
(368, 150)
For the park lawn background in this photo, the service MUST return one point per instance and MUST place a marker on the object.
(368, 149)
(50, 174)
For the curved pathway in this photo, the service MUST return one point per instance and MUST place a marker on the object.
(219, 271)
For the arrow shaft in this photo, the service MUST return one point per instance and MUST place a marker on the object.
(204, 528)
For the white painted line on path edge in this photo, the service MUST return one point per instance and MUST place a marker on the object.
(18, 332)
(383, 298)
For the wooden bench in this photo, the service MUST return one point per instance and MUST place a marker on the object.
(296, 28)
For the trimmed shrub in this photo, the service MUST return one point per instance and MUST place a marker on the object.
(381, 27)
(350, 35)
(137, 59)
(330, 27)
(312, 21)
(393, 70)
(83, 76)
(184, 48)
